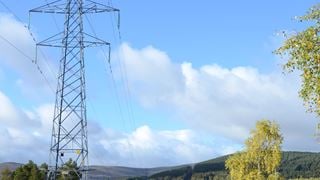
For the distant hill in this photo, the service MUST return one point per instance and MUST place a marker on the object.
(118, 172)
(293, 165)
(10, 165)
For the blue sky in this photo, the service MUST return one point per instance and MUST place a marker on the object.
(195, 70)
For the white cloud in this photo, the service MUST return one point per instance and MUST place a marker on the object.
(150, 148)
(14, 58)
(9, 115)
(17, 140)
(25, 134)
(152, 69)
(225, 102)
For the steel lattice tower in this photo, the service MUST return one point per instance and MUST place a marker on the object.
(69, 132)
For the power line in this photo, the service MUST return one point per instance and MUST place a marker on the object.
(109, 67)
(124, 75)
(34, 61)
(107, 57)
(31, 35)
(124, 78)
(28, 57)
(16, 48)
(8, 9)
(122, 66)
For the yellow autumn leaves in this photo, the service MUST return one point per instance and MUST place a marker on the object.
(302, 52)
(261, 157)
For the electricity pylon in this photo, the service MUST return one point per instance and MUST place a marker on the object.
(69, 132)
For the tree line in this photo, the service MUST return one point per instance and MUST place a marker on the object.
(31, 171)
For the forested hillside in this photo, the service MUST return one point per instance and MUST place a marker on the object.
(293, 165)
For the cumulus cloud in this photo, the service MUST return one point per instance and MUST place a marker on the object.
(150, 148)
(20, 58)
(151, 72)
(25, 134)
(18, 141)
(225, 102)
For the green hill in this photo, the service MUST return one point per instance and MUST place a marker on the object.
(293, 165)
